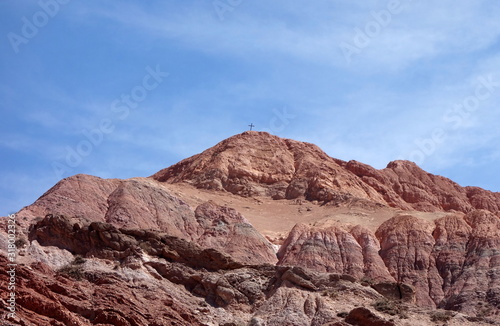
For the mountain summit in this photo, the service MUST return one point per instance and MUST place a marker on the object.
(259, 164)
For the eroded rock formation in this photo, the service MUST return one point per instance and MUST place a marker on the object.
(259, 164)
(336, 249)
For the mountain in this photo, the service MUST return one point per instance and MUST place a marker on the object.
(259, 230)
(259, 164)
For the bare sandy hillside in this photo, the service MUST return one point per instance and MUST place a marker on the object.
(275, 218)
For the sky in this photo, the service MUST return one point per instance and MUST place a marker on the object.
(120, 89)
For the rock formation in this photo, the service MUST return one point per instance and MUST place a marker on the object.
(453, 263)
(403, 184)
(259, 164)
(336, 249)
(256, 163)
(171, 250)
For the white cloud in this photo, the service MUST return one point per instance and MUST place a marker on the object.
(394, 93)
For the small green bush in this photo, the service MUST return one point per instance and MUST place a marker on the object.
(21, 242)
(366, 281)
(332, 294)
(392, 308)
(73, 271)
(441, 316)
(79, 260)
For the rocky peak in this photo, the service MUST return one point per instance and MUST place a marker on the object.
(259, 164)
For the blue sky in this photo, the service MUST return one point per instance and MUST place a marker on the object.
(120, 89)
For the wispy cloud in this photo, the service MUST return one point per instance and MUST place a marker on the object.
(263, 56)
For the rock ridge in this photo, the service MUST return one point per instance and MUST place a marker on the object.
(259, 164)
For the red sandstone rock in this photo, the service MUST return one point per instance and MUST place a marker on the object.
(363, 316)
(453, 263)
(483, 199)
(146, 204)
(227, 230)
(476, 289)
(406, 245)
(80, 195)
(336, 249)
(48, 298)
(403, 184)
(133, 203)
(259, 164)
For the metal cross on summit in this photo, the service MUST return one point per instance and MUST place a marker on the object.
(251, 126)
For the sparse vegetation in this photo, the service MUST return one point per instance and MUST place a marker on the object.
(392, 308)
(366, 281)
(332, 294)
(74, 269)
(21, 242)
(441, 316)
(37, 219)
(75, 272)
(483, 310)
(79, 260)
(145, 246)
(480, 319)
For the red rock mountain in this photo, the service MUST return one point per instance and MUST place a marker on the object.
(259, 164)
(179, 247)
